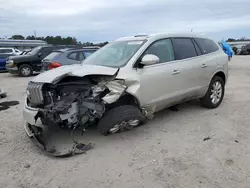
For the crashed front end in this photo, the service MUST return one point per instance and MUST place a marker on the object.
(71, 103)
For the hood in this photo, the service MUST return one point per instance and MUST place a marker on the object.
(20, 57)
(55, 75)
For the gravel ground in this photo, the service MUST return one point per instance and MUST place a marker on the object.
(169, 151)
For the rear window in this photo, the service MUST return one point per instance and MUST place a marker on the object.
(53, 55)
(207, 46)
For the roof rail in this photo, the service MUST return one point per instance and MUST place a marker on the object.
(140, 35)
(90, 47)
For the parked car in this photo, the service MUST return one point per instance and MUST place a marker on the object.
(126, 81)
(69, 56)
(10, 51)
(3, 59)
(245, 50)
(25, 65)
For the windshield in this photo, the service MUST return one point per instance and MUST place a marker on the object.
(116, 54)
(35, 50)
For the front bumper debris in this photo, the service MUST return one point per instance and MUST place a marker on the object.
(55, 141)
(52, 139)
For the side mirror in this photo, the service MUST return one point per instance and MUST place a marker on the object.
(39, 54)
(150, 59)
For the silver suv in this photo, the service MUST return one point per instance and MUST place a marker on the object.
(126, 81)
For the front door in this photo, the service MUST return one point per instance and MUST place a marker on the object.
(159, 82)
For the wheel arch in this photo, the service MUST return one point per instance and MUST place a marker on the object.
(126, 99)
(220, 74)
(24, 63)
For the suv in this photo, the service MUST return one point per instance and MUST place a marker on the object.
(67, 57)
(10, 51)
(25, 65)
(125, 82)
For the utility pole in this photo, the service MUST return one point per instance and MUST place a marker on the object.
(35, 34)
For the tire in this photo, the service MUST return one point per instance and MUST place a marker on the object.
(207, 100)
(118, 115)
(25, 70)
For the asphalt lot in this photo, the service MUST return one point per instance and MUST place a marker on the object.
(193, 147)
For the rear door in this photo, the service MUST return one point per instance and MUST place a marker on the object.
(188, 68)
(208, 62)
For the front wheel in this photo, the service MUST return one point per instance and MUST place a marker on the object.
(25, 70)
(215, 93)
(119, 119)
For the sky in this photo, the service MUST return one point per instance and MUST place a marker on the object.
(106, 20)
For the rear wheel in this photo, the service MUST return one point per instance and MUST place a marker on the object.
(25, 70)
(215, 93)
(119, 119)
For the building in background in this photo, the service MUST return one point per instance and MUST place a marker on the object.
(21, 44)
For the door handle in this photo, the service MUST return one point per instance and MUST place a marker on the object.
(203, 66)
(175, 72)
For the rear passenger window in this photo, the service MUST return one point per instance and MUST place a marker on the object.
(163, 49)
(72, 56)
(206, 45)
(183, 48)
(197, 48)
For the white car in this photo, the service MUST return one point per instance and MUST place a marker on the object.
(125, 82)
(10, 51)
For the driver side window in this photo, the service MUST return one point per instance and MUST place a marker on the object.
(163, 49)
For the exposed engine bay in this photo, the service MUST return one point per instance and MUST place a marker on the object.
(74, 102)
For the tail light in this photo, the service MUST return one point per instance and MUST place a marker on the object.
(53, 65)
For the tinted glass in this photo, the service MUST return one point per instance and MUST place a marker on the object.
(206, 45)
(72, 56)
(163, 49)
(197, 48)
(184, 48)
(46, 51)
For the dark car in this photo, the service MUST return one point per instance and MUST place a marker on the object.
(25, 65)
(67, 57)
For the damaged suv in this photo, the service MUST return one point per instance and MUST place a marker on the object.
(126, 82)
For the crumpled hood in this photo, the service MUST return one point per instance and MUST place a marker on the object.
(55, 75)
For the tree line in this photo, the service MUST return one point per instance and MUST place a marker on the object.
(58, 40)
(240, 39)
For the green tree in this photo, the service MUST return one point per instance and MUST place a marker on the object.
(18, 37)
(30, 37)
